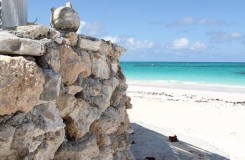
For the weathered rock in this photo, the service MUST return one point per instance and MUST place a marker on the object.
(21, 83)
(89, 44)
(59, 40)
(65, 104)
(49, 145)
(37, 137)
(118, 51)
(52, 85)
(106, 48)
(104, 94)
(112, 118)
(54, 33)
(80, 119)
(85, 148)
(33, 31)
(118, 94)
(13, 45)
(87, 63)
(51, 59)
(72, 90)
(72, 37)
(6, 138)
(100, 68)
(65, 19)
(71, 65)
(128, 103)
(114, 67)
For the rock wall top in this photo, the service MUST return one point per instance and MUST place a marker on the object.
(62, 96)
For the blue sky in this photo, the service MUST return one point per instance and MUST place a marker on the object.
(161, 30)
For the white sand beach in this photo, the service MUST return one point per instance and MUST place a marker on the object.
(209, 122)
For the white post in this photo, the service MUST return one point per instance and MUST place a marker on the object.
(13, 13)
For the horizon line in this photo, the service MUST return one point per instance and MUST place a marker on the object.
(189, 61)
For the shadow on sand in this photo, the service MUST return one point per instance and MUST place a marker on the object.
(149, 143)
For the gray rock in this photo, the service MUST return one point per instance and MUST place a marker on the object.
(59, 40)
(85, 148)
(33, 31)
(79, 120)
(118, 94)
(37, 137)
(65, 104)
(100, 68)
(21, 83)
(52, 85)
(88, 44)
(114, 67)
(102, 101)
(12, 45)
(51, 59)
(6, 138)
(54, 33)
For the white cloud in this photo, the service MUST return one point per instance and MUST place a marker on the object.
(225, 36)
(198, 46)
(181, 43)
(90, 29)
(187, 21)
(185, 44)
(130, 42)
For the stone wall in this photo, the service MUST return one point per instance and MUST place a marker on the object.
(62, 96)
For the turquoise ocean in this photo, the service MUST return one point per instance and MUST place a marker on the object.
(225, 74)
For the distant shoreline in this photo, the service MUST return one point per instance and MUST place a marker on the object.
(190, 86)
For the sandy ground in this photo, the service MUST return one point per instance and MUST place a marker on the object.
(210, 124)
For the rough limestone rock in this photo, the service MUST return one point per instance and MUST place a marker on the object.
(33, 31)
(71, 65)
(89, 44)
(62, 95)
(72, 90)
(13, 45)
(65, 19)
(80, 119)
(21, 84)
(52, 84)
(50, 59)
(100, 68)
(37, 135)
(72, 37)
(65, 104)
(85, 57)
(85, 148)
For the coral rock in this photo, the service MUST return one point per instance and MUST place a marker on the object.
(13, 45)
(71, 65)
(21, 83)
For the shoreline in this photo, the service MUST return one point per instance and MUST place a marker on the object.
(205, 118)
(186, 86)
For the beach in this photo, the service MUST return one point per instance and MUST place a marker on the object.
(209, 121)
